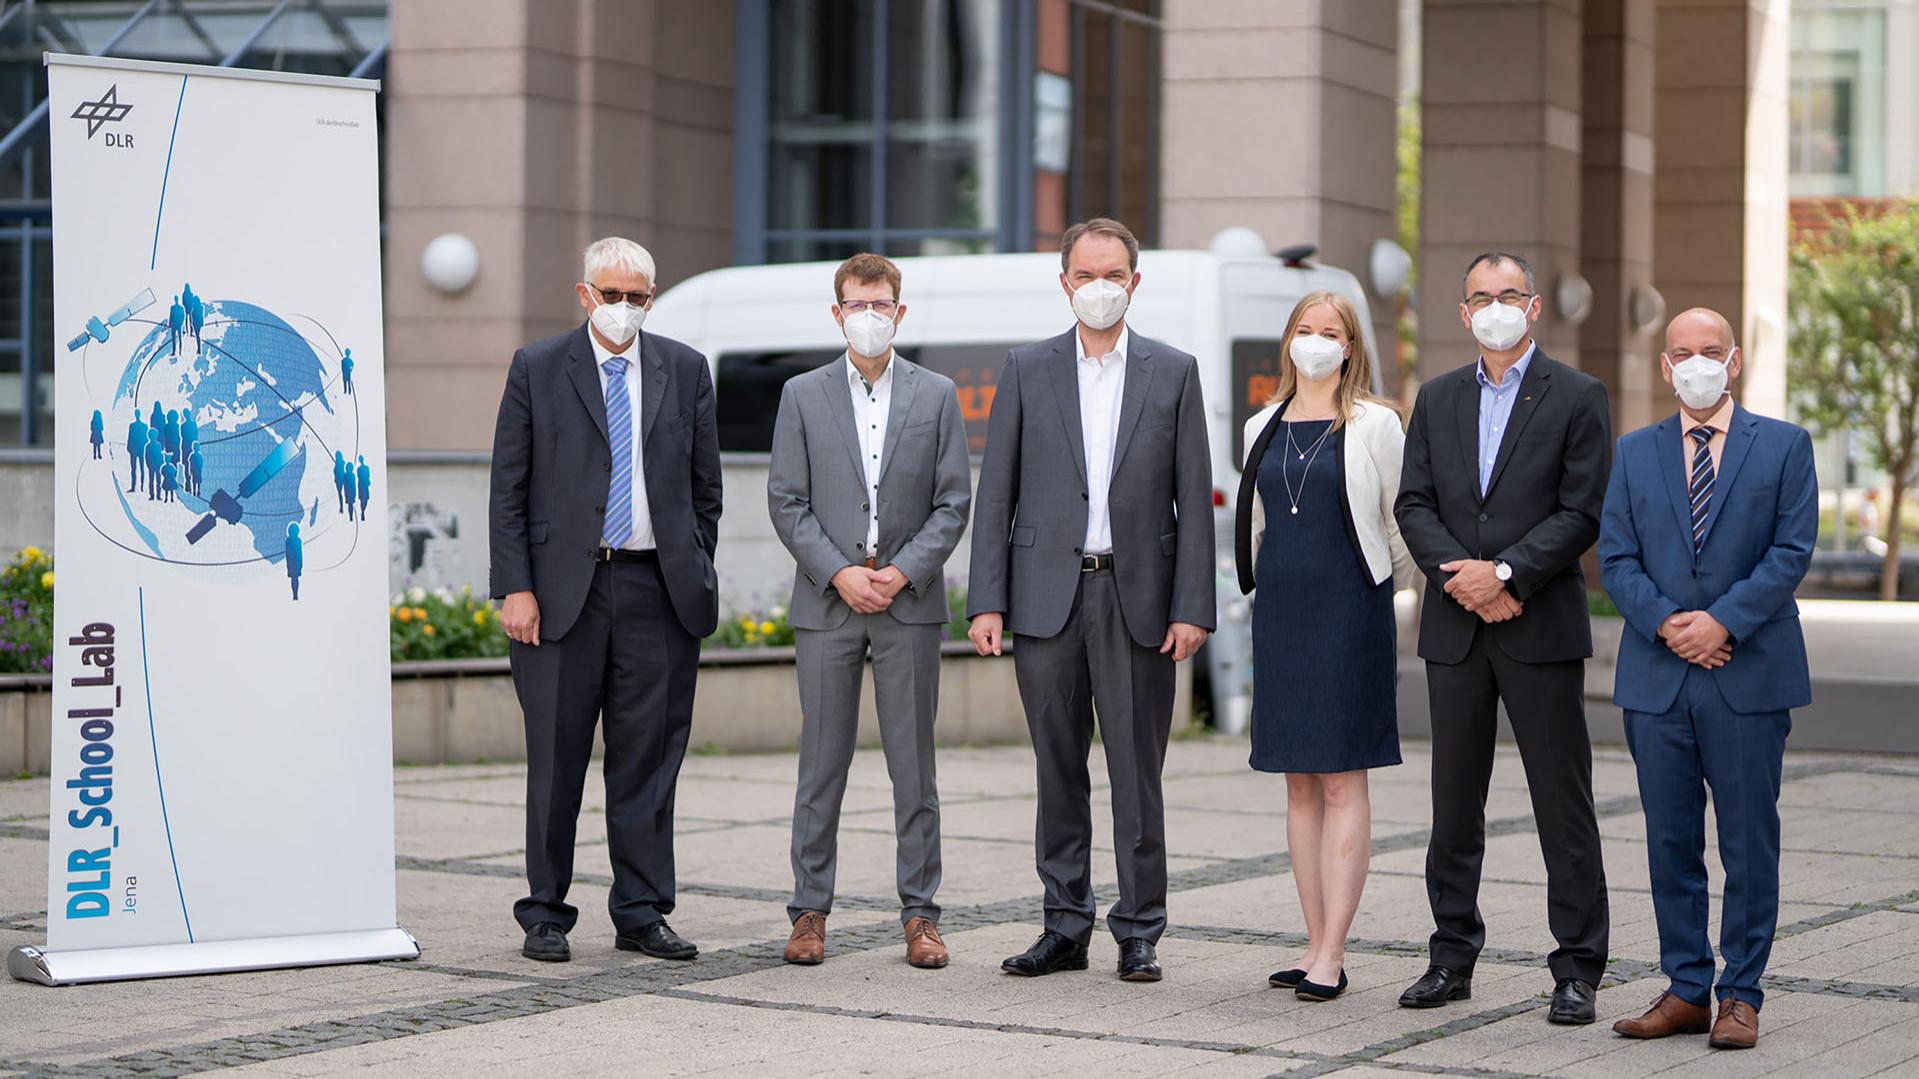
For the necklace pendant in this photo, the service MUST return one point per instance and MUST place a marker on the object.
(1295, 510)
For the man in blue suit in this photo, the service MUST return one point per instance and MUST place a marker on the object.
(1707, 529)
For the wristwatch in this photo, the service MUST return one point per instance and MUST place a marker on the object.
(1502, 570)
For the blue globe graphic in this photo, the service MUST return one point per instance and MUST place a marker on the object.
(253, 383)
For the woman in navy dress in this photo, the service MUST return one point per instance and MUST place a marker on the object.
(1315, 532)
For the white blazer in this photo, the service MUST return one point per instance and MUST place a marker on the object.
(1375, 445)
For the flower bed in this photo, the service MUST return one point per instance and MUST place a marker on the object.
(26, 613)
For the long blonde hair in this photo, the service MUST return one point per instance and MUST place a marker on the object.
(1356, 377)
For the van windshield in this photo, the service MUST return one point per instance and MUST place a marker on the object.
(747, 387)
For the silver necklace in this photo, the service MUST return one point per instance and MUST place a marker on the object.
(1306, 455)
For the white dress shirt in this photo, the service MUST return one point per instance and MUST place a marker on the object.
(641, 538)
(871, 406)
(1102, 382)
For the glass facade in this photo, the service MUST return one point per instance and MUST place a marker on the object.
(1837, 111)
(326, 37)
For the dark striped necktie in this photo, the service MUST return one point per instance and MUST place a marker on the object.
(1700, 486)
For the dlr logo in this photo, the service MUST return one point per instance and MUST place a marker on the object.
(125, 141)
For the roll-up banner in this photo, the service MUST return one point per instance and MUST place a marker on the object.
(222, 778)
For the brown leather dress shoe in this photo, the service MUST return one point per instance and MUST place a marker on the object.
(924, 948)
(1737, 1026)
(807, 945)
(1668, 1015)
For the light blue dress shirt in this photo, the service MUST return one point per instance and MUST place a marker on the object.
(1496, 410)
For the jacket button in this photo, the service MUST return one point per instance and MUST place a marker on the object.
(601, 510)
(1076, 550)
(859, 546)
(606, 466)
(864, 506)
(1482, 518)
(1082, 496)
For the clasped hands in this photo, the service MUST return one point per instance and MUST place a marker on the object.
(869, 591)
(1477, 588)
(1697, 638)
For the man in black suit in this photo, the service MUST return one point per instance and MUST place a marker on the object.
(604, 513)
(1504, 477)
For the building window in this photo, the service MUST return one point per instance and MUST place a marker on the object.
(1837, 108)
(1115, 149)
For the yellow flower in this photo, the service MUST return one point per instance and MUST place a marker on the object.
(479, 617)
(420, 613)
(466, 590)
(766, 627)
(428, 630)
(404, 614)
(30, 555)
(389, 610)
(745, 622)
(46, 580)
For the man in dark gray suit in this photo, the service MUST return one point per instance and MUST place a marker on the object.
(604, 513)
(1093, 543)
(868, 488)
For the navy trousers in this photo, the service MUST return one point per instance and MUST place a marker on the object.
(1701, 742)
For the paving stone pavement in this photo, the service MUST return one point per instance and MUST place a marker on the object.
(1843, 987)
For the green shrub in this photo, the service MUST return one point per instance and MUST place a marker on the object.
(444, 625)
(26, 613)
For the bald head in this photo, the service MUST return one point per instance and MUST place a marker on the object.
(1698, 330)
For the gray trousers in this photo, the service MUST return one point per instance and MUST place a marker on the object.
(1092, 666)
(906, 671)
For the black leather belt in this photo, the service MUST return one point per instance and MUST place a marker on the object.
(620, 554)
(1093, 563)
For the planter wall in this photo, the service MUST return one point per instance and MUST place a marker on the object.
(464, 711)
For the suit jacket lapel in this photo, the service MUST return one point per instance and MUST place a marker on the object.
(1139, 377)
(652, 385)
(839, 401)
(904, 379)
(585, 373)
(1466, 415)
(1666, 448)
(1738, 444)
(1532, 390)
(1064, 369)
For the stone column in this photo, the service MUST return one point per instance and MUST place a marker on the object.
(1281, 118)
(1501, 159)
(1720, 211)
(1616, 229)
(532, 128)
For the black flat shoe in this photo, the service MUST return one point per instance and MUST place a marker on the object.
(657, 940)
(547, 943)
(1138, 962)
(1438, 986)
(1573, 1003)
(1050, 954)
(1317, 993)
(1286, 979)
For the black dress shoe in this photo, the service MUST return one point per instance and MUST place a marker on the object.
(1138, 962)
(657, 940)
(547, 943)
(1051, 953)
(1317, 993)
(1436, 987)
(1286, 979)
(1573, 1003)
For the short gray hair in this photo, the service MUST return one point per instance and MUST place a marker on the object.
(1490, 258)
(617, 253)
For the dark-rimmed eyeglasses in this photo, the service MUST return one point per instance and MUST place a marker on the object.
(1511, 298)
(609, 295)
(854, 307)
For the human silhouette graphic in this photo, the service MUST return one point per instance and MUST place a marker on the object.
(196, 468)
(176, 320)
(155, 457)
(170, 437)
(159, 417)
(187, 295)
(339, 478)
(137, 449)
(196, 317)
(346, 370)
(169, 481)
(189, 431)
(97, 432)
(295, 558)
(366, 487)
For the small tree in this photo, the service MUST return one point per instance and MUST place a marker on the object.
(1855, 343)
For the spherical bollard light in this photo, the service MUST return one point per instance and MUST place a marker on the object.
(1573, 297)
(450, 263)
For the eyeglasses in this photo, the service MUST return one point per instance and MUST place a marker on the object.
(607, 295)
(1479, 301)
(854, 307)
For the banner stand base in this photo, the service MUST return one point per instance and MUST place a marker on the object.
(29, 964)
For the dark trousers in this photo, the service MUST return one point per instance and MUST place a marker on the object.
(627, 663)
(1701, 742)
(1090, 668)
(1545, 702)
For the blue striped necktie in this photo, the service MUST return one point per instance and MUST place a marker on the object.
(1700, 486)
(619, 438)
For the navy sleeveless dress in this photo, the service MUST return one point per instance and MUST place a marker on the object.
(1325, 653)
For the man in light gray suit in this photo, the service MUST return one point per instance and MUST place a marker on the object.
(1094, 545)
(868, 487)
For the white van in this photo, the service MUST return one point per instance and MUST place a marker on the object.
(761, 325)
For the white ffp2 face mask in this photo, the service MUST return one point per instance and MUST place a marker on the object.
(1700, 381)
(618, 322)
(1316, 357)
(1499, 327)
(1100, 304)
(869, 333)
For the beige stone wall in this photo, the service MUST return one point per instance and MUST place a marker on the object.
(534, 126)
